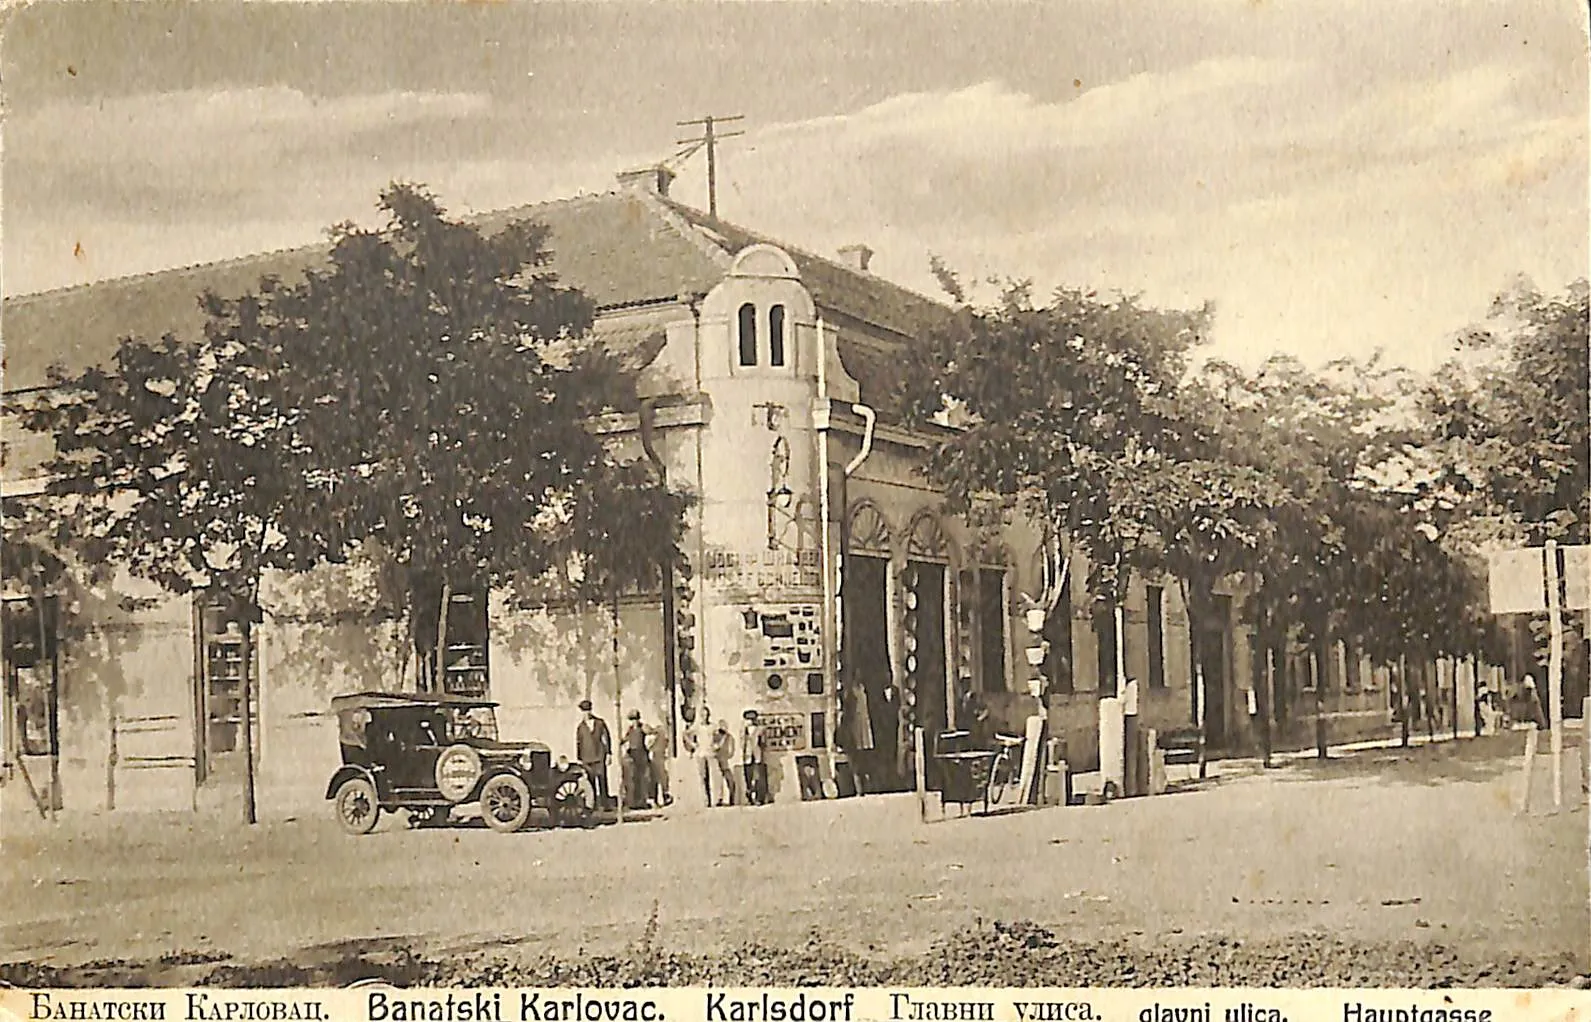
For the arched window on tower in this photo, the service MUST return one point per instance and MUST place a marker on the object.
(748, 334)
(776, 336)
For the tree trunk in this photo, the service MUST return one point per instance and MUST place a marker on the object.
(1195, 674)
(53, 723)
(1474, 690)
(407, 654)
(1266, 710)
(439, 655)
(1194, 608)
(247, 710)
(1403, 698)
(1321, 751)
(618, 702)
(1429, 699)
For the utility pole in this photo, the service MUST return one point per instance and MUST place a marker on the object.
(709, 139)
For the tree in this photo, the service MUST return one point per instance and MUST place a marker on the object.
(1352, 555)
(427, 394)
(1054, 405)
(1508, 423)
(1508, 416)
(447, 387)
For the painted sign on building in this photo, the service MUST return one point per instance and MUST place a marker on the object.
(763, 571)
(783, 731)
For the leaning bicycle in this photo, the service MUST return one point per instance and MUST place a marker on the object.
(1005, 774)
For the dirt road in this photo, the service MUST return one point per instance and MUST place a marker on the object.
(1378, 847)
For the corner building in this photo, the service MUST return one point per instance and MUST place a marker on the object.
(828, 591)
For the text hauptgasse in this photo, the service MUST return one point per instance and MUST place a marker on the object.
(1353, 1011)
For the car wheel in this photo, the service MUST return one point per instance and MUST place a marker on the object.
(505, 803)
(572, 800)
(357, 806)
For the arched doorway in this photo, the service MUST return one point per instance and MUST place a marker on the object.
(869, 706)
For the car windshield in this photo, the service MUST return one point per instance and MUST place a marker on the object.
(472, 722)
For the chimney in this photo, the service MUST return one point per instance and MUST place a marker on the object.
(648, 179)
(856, 256)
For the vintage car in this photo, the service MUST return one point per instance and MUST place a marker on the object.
(438, 757)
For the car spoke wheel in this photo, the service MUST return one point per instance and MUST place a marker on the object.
(505, 803)
(357, 806)
(572, 800)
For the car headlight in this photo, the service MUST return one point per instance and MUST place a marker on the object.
(563, 762)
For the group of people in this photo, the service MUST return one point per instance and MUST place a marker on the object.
(643, 768)
(712, 748)
(644, 781)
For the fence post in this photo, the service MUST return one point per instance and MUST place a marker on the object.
(111, 758)
(919, 760)
(1529, 770)
(1585, 745)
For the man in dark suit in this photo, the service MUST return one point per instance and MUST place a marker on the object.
(593, 746)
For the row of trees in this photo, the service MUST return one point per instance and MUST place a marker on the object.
(422, 399)
(1355, 502)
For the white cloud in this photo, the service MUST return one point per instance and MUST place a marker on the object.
(1319, 224)
(990, 118)
(1321, 220)
(145, 125)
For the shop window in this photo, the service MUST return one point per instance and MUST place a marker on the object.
(1058, 633)
(463, 665)
(1105, 633)
(226, 658)
(1351, 668)
(1301, 669)
(32, 675)
(776, 336)
(991, 628)
(1154, 603)
(748, 334)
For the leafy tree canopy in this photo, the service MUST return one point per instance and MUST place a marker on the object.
(427, 392)
(1056, 404)
(1508, 416)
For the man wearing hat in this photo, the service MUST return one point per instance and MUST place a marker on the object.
(637, 764)
(753, 759)
(593, 746)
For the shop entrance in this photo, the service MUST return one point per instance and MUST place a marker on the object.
(873, 707)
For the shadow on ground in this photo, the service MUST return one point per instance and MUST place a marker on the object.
(1487, 759)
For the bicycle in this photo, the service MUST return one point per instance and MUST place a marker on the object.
(1005, 774)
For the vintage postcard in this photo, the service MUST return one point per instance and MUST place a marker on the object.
(795, 512)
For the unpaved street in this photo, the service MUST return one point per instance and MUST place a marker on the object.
(1377, 846)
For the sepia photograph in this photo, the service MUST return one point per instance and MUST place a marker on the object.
(876, 496)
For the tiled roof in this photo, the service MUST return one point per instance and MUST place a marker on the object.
(618, 248)
(621, 248)
(834, 286)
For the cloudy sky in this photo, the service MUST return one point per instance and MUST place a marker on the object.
(1335, 176)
